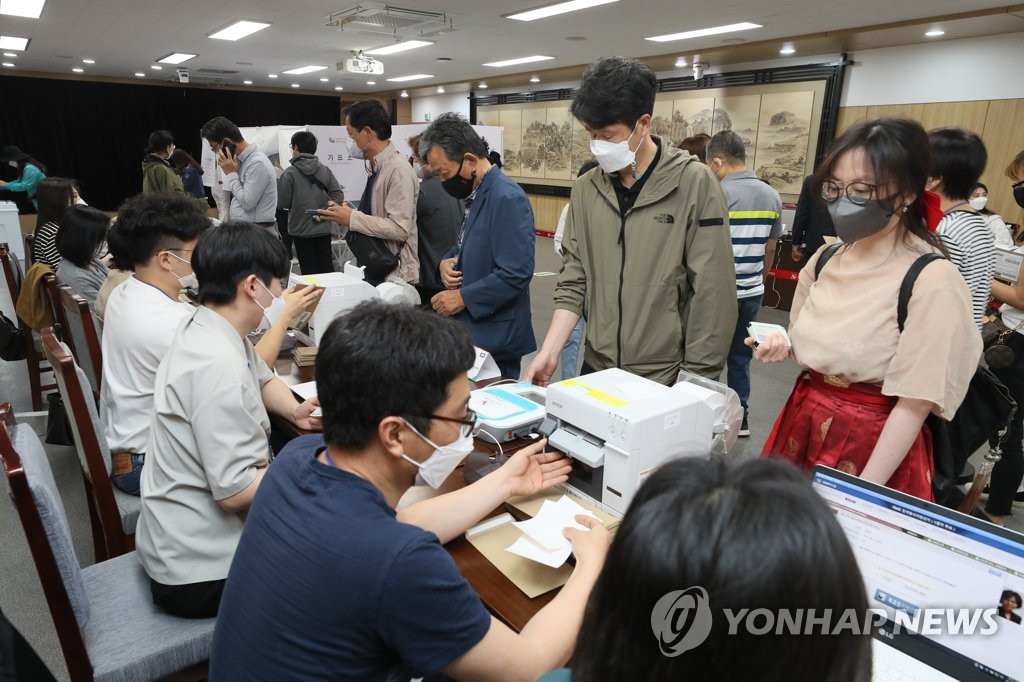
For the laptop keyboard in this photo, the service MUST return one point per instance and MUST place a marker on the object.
(892, 665)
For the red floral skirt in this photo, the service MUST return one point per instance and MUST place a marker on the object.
(825, 422)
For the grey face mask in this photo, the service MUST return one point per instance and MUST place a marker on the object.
(854, 221)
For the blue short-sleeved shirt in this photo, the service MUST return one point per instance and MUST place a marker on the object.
(327, 584)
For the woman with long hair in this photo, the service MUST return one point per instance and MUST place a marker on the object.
(861, 402)
(190, 171)
(30, 172)
(81, 242)
(54, 195)
(750, 535)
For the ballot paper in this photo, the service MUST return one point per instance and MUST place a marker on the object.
(542, 538)
(305, 390)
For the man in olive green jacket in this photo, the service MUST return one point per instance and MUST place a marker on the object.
(647, 254)
(157, 173)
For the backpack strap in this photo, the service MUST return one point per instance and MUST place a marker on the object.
(907, 287)
(829, 251)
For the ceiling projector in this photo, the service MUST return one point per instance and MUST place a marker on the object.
(363, 65)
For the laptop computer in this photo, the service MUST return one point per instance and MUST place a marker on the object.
(921, 561)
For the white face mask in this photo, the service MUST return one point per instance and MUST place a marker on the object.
(353, 149)
(978, 203)
(434, 470)
(12, 164)
(189, 281)
(273, 312)
(418, 170)
(614, 156)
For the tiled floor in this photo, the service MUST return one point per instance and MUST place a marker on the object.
(21, 597)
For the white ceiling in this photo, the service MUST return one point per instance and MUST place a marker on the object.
(125, 36)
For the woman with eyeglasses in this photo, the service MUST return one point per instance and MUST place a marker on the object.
(866, 389)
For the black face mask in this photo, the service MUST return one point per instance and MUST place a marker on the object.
(1018, 195)
(458, 186)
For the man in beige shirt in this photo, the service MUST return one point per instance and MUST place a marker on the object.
(208, 447)
(387, 209)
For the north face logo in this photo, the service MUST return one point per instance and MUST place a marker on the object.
(665, 219)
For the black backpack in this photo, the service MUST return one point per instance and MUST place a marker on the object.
(987, 408)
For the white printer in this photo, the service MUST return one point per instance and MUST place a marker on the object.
(619, 427)
(342, 292)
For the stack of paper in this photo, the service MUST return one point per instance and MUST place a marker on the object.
(542, 538)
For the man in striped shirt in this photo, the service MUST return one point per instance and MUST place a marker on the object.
(755, 219)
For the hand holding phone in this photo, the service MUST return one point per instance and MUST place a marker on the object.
(312, 211)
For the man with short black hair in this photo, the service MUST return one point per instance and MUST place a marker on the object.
(646, 256)
(755, 220)
(387, 209)
(248, 174)
(308, 184)
(330, 583)
(208, 449)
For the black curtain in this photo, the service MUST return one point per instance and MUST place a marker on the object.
(95, 132)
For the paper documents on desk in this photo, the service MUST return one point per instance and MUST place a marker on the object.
(305, 390)
(542, 538)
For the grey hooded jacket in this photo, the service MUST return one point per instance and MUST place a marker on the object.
(297, 192)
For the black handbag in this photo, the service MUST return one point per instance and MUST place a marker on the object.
(373, 254)
(58, 427)
(986, 410)
(12, 340)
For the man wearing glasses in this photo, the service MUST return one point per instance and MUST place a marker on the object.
(330, 582)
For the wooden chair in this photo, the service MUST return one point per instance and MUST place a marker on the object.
(80, 333)
(116, 512)
(106, 622)
(30, 250)
(37, 366)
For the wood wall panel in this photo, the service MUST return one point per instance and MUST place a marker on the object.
(998, 122)
(969, 115)
(848, 116)
(546, 210)
(1004, 139)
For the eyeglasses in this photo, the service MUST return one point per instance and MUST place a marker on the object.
(857, 192)
(468, 422)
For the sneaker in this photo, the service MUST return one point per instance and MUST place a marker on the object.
(744, 431)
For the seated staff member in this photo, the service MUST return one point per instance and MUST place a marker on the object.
(371, 595)
(860, 405)
(690, 525)
(81, 242)
(208, 449)
(154, 236)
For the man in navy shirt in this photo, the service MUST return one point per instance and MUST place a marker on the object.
(328, 582)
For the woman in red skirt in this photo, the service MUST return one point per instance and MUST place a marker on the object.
(867, 388)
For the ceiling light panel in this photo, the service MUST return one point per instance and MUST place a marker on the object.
(304, 70)
(13, 43)
(414, 77)
(520, 60)
(701, 32)
(22, 8)
(560, 8)
(177, 58)
(239, 30)
(398, 47)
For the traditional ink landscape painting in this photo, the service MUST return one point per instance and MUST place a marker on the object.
(544, 143)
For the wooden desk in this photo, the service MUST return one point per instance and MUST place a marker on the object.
(499, 595)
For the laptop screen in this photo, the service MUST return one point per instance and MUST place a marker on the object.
(949, 585)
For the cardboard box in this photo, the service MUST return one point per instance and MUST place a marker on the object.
(1008, 262)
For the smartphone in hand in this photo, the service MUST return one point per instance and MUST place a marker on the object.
(312, 211)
